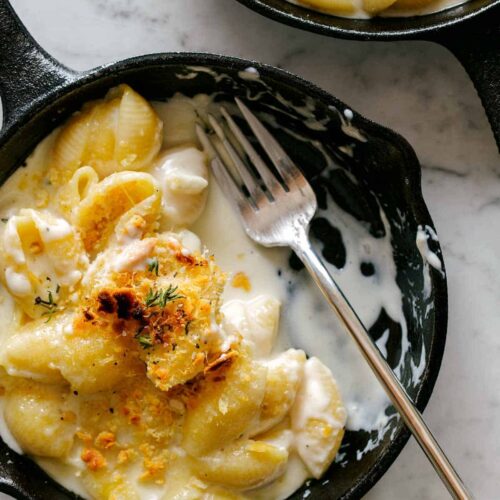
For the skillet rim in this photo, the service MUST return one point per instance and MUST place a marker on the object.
(412, 171)
(425, 27)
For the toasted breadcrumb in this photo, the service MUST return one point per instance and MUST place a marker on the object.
(241, 280)
(105, 440)
(93, 458)
(125, 456)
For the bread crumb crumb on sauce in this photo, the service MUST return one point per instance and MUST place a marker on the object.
(120, 361)
(241, 280)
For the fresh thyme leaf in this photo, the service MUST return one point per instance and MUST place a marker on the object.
(144, 340)
(4, 220)
(49, 315)
(169, 295)
(154, 265)
(151, 298)
(49, 305)
(160, 298)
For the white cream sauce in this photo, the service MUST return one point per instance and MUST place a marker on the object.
(429, 257)
(249, 73)
(346, 125)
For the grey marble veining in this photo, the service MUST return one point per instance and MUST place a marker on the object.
(419, 90)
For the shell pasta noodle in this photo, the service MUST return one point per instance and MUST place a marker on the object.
(369, 8)
(125, 370)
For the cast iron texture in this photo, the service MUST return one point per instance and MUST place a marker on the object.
(38, 94)
(471, 31)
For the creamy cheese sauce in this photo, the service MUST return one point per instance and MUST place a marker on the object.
(429, 258)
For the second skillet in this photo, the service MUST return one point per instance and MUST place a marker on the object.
(470, 30)
(38, 93)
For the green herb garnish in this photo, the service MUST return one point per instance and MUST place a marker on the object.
(144, 340)
(153, 265)
(160, 298)
(49, 305)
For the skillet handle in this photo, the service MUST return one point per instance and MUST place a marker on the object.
(477, 47)
(27, 72)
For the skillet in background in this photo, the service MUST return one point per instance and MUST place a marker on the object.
(471, 31)
(38, 93)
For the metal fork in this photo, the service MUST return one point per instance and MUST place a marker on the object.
(276, 211)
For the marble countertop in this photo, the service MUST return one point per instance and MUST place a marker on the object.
(419, 90)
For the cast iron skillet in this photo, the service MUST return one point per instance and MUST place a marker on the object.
(471, 31)
(383, 172)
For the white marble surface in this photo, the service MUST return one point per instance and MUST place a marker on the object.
(418, 89)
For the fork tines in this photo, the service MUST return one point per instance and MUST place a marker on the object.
(233, 157)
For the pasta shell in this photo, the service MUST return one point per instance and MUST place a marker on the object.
(284, 375)
(43, 258)
(244, 464)
(103, 485)
(225, 410)
(139, 132)
(80, 185)
(195, 489)
(100, 151)
(318, 417)
(333, 6)
(255, 320)
(99, 213)
(55, 351)
(35, 414)
(31, 351)
(69, 147)
(119, 132)
(411, 4)
(376, 6)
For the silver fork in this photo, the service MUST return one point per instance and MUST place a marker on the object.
(277, 212)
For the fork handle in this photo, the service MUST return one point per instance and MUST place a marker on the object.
(411, 416)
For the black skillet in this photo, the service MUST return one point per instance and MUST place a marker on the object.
(471, 31)
(38, 93)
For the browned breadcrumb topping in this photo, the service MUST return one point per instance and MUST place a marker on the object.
(85, 437)
(125, 456)
(105, 440)
(153, 470)
(93, 459)
(161, 323)
(126, 311)
(241, 280)
(224, 360)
